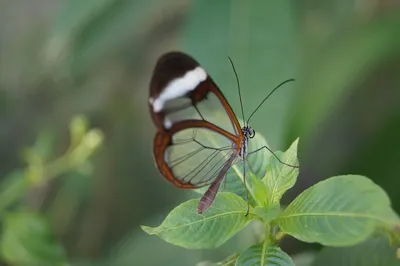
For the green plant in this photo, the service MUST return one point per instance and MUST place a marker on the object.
(27, 236)
(340, 211)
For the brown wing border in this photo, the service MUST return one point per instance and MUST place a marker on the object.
(163, 139)
(170, 66)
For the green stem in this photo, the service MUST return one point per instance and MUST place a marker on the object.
(57, 167)
(265, 244)
(279, 236)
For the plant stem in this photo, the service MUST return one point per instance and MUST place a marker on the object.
(265, 244)
(279, 236)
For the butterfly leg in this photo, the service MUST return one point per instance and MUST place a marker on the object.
(265, 147)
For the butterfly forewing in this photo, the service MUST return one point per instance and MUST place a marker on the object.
(209, 109)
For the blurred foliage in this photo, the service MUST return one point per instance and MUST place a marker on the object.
(27, 237)
(27, 240)
(62, 58)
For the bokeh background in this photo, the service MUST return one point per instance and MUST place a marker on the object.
(94, 58)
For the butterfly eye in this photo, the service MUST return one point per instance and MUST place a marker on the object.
(252, 133)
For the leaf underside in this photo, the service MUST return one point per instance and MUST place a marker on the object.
(340, 211)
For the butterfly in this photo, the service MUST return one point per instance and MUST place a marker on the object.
(198, 134)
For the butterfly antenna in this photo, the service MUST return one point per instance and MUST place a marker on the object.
(238, 86)
(277, 87)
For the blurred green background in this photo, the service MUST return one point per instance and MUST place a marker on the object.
(95, 57)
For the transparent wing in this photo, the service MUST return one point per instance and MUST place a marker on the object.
(198, 133)
(209, 109)
(196, 156)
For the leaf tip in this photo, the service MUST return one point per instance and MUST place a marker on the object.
(149, 230)
(296, 142)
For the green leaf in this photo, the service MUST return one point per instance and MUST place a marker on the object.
(263, 255)
(340, 211)
(267, 214)
(27, 240)
(259, 191)
(279, 177)
(390, 231)
(258, 161)
(373, 252)
(184, 227)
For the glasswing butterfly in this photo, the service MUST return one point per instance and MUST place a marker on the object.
(198, 134)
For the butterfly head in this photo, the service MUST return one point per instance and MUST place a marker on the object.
(248, 132)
